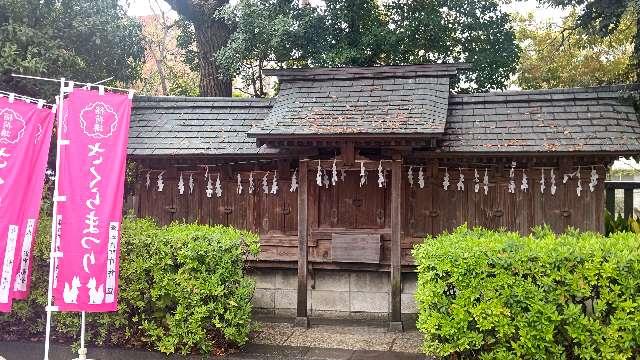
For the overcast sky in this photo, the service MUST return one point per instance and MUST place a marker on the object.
(144, 7)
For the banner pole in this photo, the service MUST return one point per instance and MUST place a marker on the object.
(82, 351)
(54, 254)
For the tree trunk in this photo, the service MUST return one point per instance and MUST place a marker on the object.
(211, 34)
(210, 37)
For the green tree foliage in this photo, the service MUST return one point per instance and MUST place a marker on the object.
(182, 289)
(604, 18)
(554, 56)
(84, 40)
(368, 33)
(486, 294)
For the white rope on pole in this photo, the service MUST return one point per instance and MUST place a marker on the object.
(54, 254)
(130, 91)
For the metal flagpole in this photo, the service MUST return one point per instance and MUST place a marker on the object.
(55, 223)
(54, 254)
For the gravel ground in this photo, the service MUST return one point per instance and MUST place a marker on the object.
(342, 337)
(274, 341)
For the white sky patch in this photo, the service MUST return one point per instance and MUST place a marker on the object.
(541, 12)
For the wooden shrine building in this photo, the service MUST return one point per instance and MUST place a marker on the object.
(347, 168)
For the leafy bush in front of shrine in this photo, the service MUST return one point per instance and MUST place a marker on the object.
(499, 295)
(182, 290)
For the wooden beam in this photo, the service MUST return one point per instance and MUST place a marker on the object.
(348, 153)
(302, 319)
(396, 236)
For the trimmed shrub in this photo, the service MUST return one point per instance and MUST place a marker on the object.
(498, 295)
(182, 289)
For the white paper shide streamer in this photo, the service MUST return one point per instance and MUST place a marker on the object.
(209, 189)
(265, 183)
(410, 176)
(485, 182)
(525, 182)
(579, 187)
(421, 178)
(252, 186)
(274, 184)
(594, 180)
(445, 180)
(325, 179)
(181, 185)
(239, 187)
(476, 180)
(319, 175)
(294, 181)
(512, 181)
(161, 181)
(218, 186)
(334, 173)
(542, 184)
(363, 174)
(460, 184)
(553, 187)
(191, 184)
(148, 182)
(380, 175)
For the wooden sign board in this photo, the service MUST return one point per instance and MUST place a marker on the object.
(361, 248)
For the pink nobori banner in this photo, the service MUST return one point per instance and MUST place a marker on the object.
(32, 201)
(20, 126)
(91, 180)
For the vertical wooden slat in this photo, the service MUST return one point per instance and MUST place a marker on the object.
(396, 223)
(611, 201)
(628, 203)
(301, 312)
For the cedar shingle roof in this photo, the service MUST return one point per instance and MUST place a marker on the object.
(400, 100)
(387, 101)
(565, 120)
(195, 126)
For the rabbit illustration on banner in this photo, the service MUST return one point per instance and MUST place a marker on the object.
(70, 293)
(95, 296)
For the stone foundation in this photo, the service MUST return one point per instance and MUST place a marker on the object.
(331, 293)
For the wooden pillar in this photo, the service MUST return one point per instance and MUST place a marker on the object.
(611, 201)
(302, 320)
(628, 203)
(396, 256)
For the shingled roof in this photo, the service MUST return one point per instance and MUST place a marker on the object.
(559, 120)
(389, 102)
(195, 126)
(401, 100)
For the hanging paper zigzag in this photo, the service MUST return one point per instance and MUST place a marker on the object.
(460, 184)
(218, 186)
(294, 181)
(181, 185)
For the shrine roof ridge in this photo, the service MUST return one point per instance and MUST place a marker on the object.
(393, 71)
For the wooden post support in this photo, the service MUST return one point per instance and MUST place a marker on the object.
(396, 234)
(611, 201)
(302, 320)
(628, 203)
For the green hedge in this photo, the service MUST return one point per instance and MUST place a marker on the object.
(182, 289)
(498, 295)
